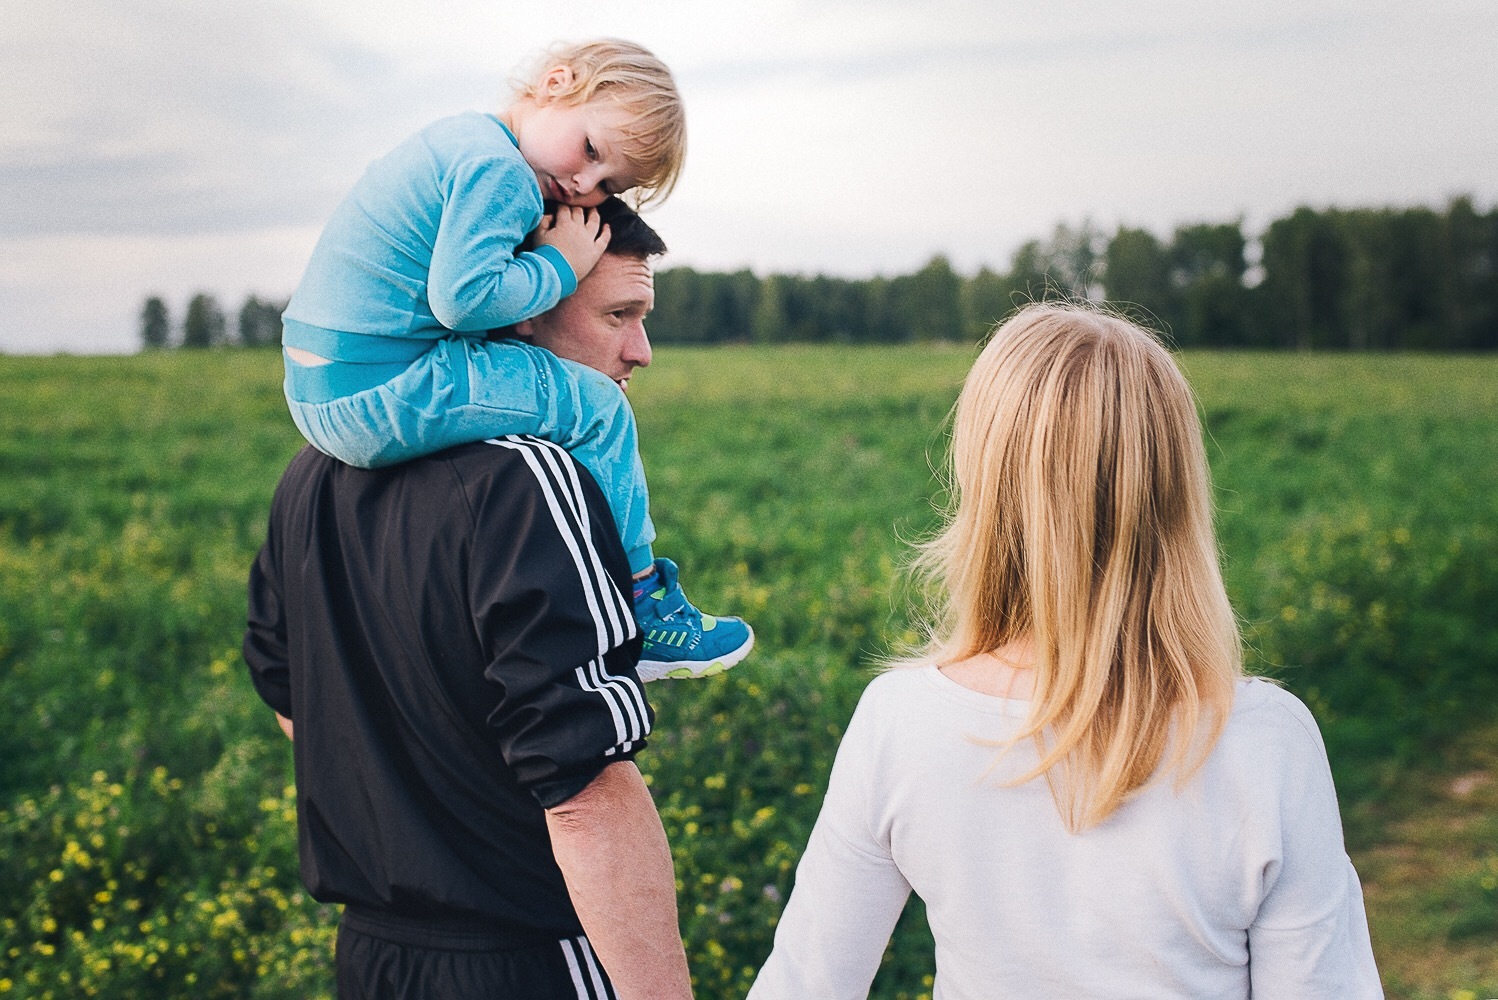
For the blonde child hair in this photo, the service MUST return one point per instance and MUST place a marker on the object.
(655, 138)
(1081, 518)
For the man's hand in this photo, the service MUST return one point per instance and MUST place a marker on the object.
(612, 850)
(577, 234)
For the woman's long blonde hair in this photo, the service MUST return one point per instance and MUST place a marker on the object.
(1081, 518)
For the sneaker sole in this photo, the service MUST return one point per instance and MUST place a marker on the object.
(658, 670)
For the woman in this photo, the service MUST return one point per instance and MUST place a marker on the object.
(1076, 776)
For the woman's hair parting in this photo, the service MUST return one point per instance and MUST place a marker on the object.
(655, 137)
(1081, 516)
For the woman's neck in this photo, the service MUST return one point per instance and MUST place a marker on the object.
(1007, 672)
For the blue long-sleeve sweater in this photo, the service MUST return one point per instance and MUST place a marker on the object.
(424, 246)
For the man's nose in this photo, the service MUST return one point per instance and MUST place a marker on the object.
(637, 347)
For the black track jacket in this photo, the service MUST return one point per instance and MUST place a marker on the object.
(452, 638)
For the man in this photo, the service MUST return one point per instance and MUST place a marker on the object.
(452, 639)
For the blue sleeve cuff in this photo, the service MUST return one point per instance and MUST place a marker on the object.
(563, 269)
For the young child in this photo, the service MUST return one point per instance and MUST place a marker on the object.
(384, 339)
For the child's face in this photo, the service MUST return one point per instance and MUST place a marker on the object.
(577, 151)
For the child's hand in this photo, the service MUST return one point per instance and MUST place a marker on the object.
(577, 234)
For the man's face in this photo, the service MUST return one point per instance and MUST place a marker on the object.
(602, 324)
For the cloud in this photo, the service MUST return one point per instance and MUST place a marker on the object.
(899, 41)
(166, 146)
(82, 294)
(182, 118)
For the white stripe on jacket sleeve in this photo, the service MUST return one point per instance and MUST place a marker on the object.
(563, 494)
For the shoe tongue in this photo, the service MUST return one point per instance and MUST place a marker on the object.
(673, 599)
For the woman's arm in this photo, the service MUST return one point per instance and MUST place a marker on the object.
(1310, 938)
(848, 891)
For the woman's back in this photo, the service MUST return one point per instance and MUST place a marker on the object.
(1150, 823)
(1165, 898)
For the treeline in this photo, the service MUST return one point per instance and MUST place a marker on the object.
(204, 324)
(1337, 279)
(1358, 279)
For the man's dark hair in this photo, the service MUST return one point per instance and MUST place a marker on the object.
(629, 235)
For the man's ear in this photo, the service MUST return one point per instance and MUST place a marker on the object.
(525, 329)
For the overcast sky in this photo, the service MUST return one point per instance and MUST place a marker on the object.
(166, 147)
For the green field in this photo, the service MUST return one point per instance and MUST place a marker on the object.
(146, 820)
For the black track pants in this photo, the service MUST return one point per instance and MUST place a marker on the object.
(380, 961)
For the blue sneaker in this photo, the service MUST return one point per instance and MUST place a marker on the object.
(681, 641)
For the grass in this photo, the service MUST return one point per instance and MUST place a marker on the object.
(1358, 502)
(1430, 881)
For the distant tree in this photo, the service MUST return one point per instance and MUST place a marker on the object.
(1469, 271)
(1361, 279)
(1418, 282)
(260, 322)
(1394, 281)
(770, 321)
(731, 305)
(987, 297)
(703, 307)
(929, 302)
(824, 309)
(1207, 267)
(1028, 274)
(801, 307)
(1137, 275)
(678, 317)
(1074, 257)
(204, 325)
(1305, 272)
(880, 323)
(1068, 265)
(838, 310)
(155, 324)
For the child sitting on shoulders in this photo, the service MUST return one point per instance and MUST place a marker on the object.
(386, 356)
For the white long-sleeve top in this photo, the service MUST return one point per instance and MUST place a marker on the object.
(1238, 885)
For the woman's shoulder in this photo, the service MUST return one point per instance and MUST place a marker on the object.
(1266, 715)
(894, 691)
(902, 677)
(889, 688)
(918, 695)
(1261, 695)
(907, 686)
